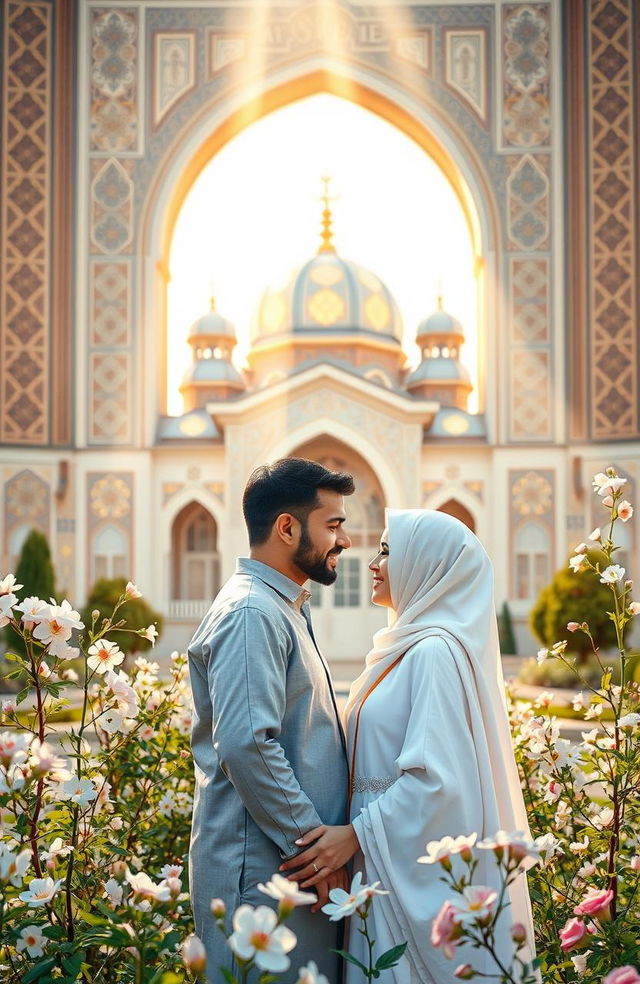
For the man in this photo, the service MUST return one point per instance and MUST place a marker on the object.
(269, 749)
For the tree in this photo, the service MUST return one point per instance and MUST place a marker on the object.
(508, 646)
(575, 598)
(136, 612)
(35, 572)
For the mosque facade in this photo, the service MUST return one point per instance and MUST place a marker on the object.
(110, 111)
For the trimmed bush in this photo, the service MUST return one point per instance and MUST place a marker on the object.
(135, 612)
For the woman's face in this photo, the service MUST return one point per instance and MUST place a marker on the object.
(379, 566)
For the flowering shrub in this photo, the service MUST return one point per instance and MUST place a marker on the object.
(93, 840)
(472, 915)
(583, 799)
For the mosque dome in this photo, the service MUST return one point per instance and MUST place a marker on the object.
(439, 323)
(211, 375)
(329, 295)
(440, 375)
(211, 326)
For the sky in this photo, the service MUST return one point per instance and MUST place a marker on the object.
(253, 215)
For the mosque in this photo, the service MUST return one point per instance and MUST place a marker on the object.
(109, 113)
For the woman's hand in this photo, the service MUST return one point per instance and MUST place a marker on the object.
(331, 848)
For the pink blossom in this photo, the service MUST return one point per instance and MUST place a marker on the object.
(608, 500)
(625, 510)
(596, 903)
(574, 934)
(634, 608)
(464, 972)
(132, 591)
(622, 975)
(518, 933)
(573, 626)
(445, 930)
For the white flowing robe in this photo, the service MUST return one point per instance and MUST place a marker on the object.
(422, 771)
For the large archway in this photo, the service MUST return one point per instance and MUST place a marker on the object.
(219, 121)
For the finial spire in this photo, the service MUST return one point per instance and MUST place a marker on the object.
(212, 299)
(439, 295)
(326, 234)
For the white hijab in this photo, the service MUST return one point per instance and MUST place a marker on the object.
(441, 582)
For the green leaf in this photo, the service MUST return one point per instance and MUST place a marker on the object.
(13, 674)
(351, 959)
(38, 970)
(22, 695)
(391, 957)
(14, 658)
(228, 976)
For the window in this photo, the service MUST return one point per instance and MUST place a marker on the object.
(110, 554)
(347, 591)
(531, 561)
(16, 543)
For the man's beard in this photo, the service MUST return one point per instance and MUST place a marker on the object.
(311, 562)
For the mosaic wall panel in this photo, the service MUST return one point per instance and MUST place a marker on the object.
(417, 49)
(24, 220)
(526, 110)
(174, 70)
(531, 496)
(110, 384)
(109, 503)
(528, 202)
(529, 314)
(224, 50)
(466, 68)
(110, 302)
(613, 210)
(114, 80)
(27, 503)
(111, 206)
(530, 377)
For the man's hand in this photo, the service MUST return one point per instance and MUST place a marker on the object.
(331, 848)
(337, 879)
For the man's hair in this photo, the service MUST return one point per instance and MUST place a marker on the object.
(289, 485)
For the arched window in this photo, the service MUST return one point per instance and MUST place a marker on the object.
(531, 561)
(196, 564)
(110, 553)
(454, 508)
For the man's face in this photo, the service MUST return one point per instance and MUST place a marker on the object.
(322, 539)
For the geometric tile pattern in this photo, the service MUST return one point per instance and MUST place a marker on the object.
(528, 191)
(114, 110)
(109, 386)
(531, 416)
(109, 306)
(466, 67)
(614, 305)
(25, 176)
(529, 317)
(111, 206)
(174, 70)
(526, 109)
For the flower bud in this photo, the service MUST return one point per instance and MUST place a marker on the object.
(194, 955)
(635, 863)
(218, 908)
(464, 972)
(518, 933)
(119, 870)
(608, 500)
(117, 823)
(95, 614)
(573, 626)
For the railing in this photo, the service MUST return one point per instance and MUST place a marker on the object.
(189, 611)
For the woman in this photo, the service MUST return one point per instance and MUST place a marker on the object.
(429, 744)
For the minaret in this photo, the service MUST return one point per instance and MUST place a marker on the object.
(211, 375)
(441, 376)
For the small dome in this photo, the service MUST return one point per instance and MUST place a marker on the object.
(439, 323)
(329, 294)
(213, 371)
(212, 324)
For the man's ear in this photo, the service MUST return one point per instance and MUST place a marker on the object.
(287, 529)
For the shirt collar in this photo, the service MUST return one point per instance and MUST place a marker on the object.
(293, 592)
